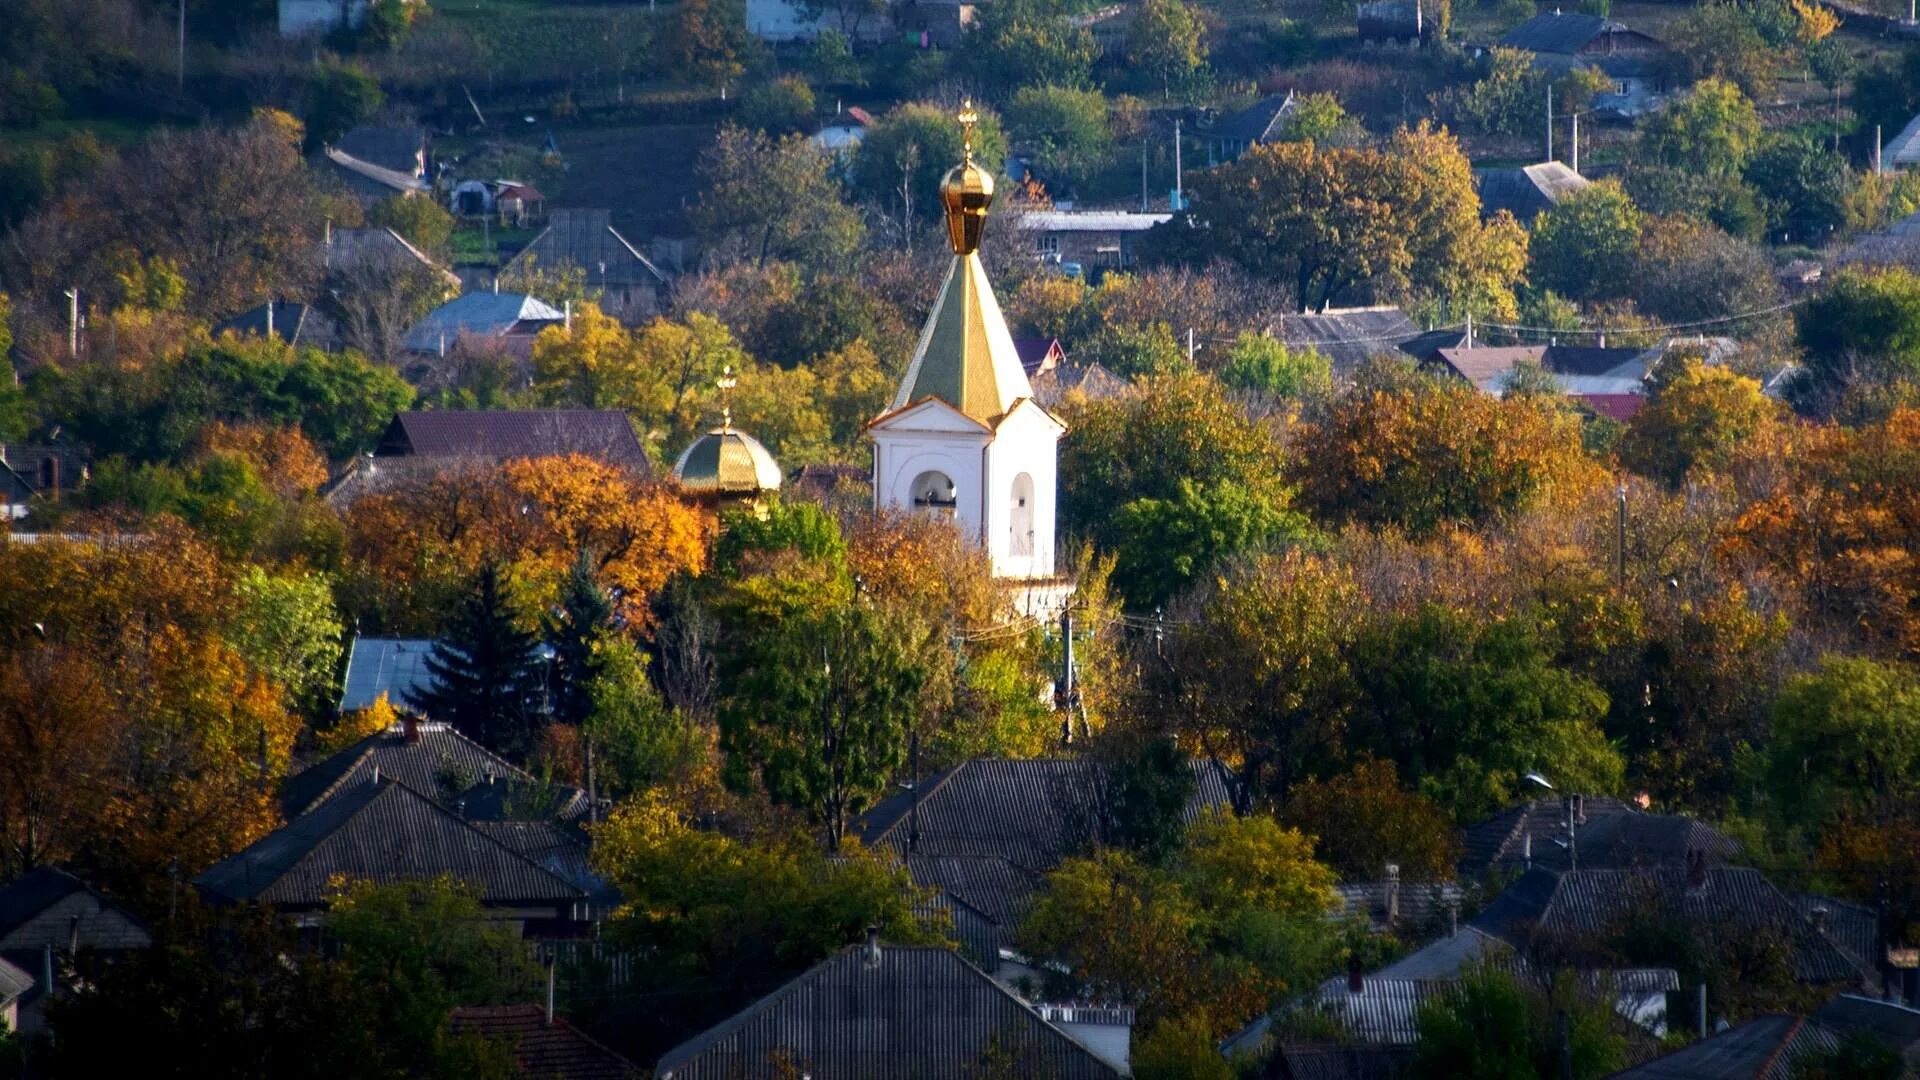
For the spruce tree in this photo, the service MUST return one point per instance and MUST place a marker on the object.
(584, 615)
(486, 671)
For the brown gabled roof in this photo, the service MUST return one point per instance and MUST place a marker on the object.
(543, 1050)
(503, 434)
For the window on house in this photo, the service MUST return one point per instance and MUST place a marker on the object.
(1048, 244)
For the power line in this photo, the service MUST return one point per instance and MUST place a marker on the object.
(1661, 328)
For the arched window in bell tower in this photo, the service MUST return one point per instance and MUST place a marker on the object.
(1020, 517)
(934, 490)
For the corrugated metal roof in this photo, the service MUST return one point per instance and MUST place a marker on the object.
(1349, 337)
(479, 314)
(1382, 1011)
(1443, 959)
(992, 886)
(1526, 192)
(501, 434)
(1763, 1048)
(587, 239)
(1029, 813)
(1853, 928)
(1585, 905)
(439, 762)
(1903, 150)
(1258, 123)
(1090, 221)
(1615, 835)
(1895, 1024)
(393, 667)
(13, 982)
(542, 1050)
(1558, 32)
(33, 892)
(384, 831)
(919, 1012)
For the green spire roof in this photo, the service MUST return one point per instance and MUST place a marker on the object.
(966, 356)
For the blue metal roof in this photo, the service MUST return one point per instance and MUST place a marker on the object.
(396, 667)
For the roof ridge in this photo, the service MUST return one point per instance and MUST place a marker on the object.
(328, 792)
(1780, 1047)
(475, 830)
(939, 782)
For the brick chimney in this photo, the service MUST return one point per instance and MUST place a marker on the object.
(410, 728)
(1393, 893)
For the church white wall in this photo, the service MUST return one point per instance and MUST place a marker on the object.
(900, 456)
(1026, 443)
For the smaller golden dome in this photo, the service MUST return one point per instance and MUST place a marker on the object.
(966, 193)
(727, 462)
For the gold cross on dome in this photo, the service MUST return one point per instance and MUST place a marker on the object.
(726, 382)
(968, 118)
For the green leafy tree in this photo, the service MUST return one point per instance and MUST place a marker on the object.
(907, 151)
(1029, 42)
(1846, 738)
(1363, 819)
(1584, 247)
(1725, 42)
(286, 625)
(1165, 47)
(1320, 118)
(773, 199)
(817, 704)
(1492, 1027)
(426, 946)
(1266, 365)
(340, 97)
(1804, 188)
(1688, 270)
(708, 42)
(1710, 131)
(831, 58)
(1505, 100)
(639, 741)
(1465, 707)
(1861, 331)
(423, 221)
(780, 107)
(486, 677)
(1182, 430)
(1168, 543)
(1699, 418)
(1065, 130)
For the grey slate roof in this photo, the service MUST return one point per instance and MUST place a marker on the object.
(918, 1012)
(396, 148)
(294, 324)
(1616, 835)
(1558, 32)
(1030, 813)
(1582, 906)
(1892, 1023)
(1258, 123)
(1091, 379)
(1854, 928)
(1444, 958)
(14, 982)
(501, 434)
(1763, 1048)
(395, 667)
(587, 239)
(439, 762)
(1347, 337)
(1383, 1011)
(382, 831)
(481, 314)
(25, 897)
(1526, 192)
(994, 887)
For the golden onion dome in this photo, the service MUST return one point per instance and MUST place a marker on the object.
(966, 193)
(726, 462)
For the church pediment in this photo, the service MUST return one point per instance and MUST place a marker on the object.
(929, 414)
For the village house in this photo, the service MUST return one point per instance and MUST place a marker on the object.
(1347, 337)
(544, 1046)
(39, 473)
(1528, 191)
(1561, 41)
(494, 435)
(52, 927)
(1234, 134)
(298, 325)
(507, 320)
(1087, 240)
(890, 1010)
(631, 287)
(375, 163)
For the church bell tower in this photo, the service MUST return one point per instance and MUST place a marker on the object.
(963, 435)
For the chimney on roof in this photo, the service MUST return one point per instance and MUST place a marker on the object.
(1393, 893)
(873, 945)
(410, 728)
(73, 933)
(1356, 979)
(1818, 916)
(376, 774)
(1603, 339)
(1696, 868)
(1453, 917)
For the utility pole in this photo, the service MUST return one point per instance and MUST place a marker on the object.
(1191, 347)
(73, 322)
(1576, 142)
(1622, 542)
(1179, 186)
(1143, 176)
(182, 51)
(1876, 149)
